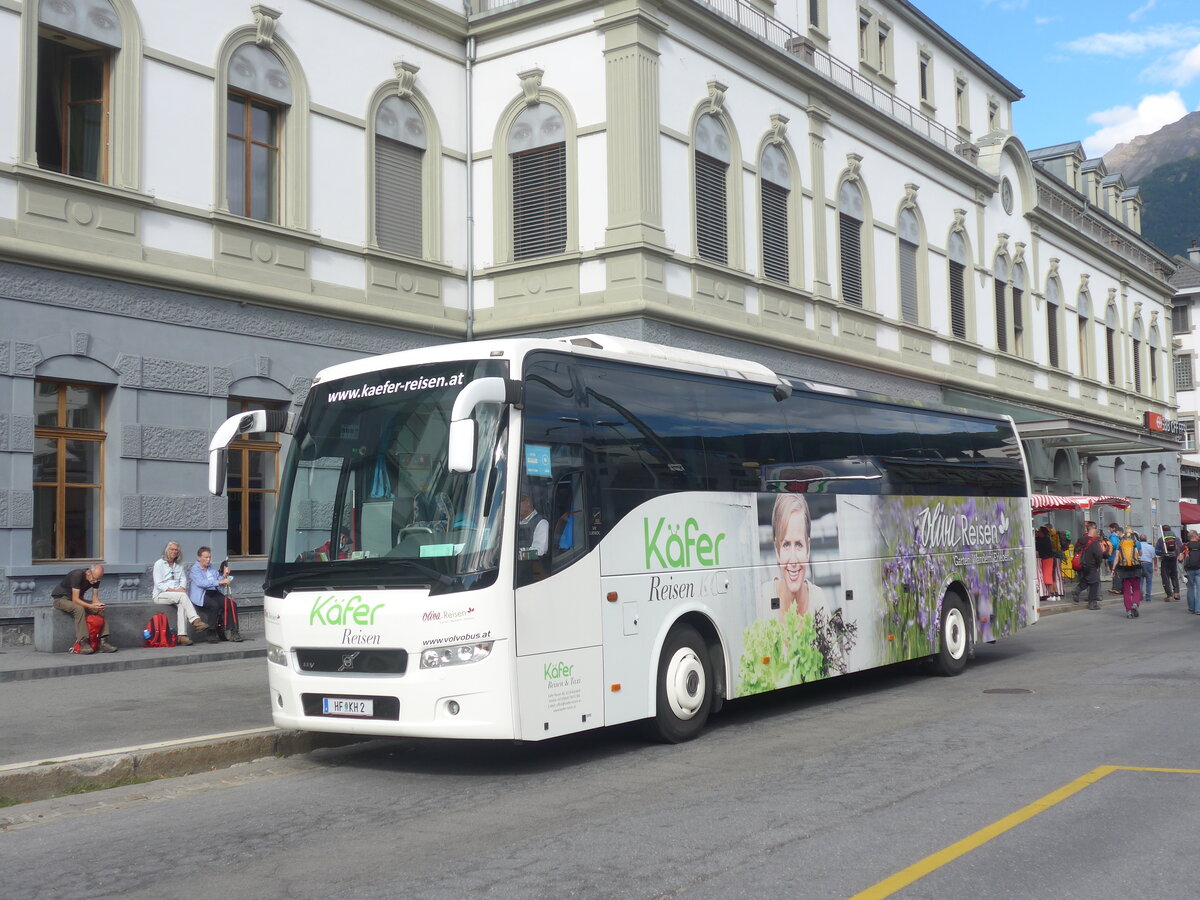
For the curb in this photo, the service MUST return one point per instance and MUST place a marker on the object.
(26, 782)
(108, 664)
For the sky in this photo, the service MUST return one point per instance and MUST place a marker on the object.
(1096, 71)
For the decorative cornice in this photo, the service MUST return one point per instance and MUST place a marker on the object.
(531, 85)
(406, 76)
(853, 167)
(910, 196)
(777, 133)
(266, 20)
(716, 97)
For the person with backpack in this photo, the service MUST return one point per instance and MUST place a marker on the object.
(1090, 554)
(1110, 550)
(71, 597)
(1129, 570)
(1189, 555)
(170, 589)
(1166, 549)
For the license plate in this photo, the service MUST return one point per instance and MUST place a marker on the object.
(340, 706)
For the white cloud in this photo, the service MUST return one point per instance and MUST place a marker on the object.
(1046, 20)
(1136, 43)
(1178, 69)
(1123, 123)
(1137, 13)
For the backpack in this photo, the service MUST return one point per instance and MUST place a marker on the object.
(1169, 545)
(1077, 559)
(1193, 555)
(1127, 553)
(158, 632)
(95, 624)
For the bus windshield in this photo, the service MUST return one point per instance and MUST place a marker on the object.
(366, 497)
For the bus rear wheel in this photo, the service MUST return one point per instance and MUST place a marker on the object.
(955, 633)
(685, 686)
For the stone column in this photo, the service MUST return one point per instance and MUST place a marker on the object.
(634, 160)
(817, 118)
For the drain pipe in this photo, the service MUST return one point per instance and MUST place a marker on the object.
(470, 184)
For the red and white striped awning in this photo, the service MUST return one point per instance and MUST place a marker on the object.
(1043, 503)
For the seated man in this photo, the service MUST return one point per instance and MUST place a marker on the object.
(204, 590)
(71, 597)
(170, 589)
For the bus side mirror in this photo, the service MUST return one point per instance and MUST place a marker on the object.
(258, 421)
(460, 450)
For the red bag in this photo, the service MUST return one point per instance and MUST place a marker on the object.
(159, 631)
(95, 625)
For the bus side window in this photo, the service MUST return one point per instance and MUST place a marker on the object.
(568, 533)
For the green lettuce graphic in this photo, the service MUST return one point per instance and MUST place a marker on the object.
(789, 648)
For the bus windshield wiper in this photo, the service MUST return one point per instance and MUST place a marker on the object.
(439, 577)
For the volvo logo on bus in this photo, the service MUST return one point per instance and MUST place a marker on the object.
(674, 546)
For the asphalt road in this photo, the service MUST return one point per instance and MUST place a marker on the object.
(820, 791)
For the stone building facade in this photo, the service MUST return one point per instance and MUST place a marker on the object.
(203, 204)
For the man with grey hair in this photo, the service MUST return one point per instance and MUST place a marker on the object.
(71, 597)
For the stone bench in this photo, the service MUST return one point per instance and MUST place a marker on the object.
(54, 630)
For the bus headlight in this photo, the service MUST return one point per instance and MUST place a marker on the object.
(276, 655)
(439, 657)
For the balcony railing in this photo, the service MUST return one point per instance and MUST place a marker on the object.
(753, 20)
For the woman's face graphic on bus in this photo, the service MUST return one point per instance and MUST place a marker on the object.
(791, 547)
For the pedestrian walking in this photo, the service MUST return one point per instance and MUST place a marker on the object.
(1091, 559)
(1146, 551)
(1113, 540)
(1128, 566)
(1189, 555)
(1166, 550)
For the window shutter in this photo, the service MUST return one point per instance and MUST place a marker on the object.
(712, 229)
(958, 302)
(1052, 332)
(540, 202)
(1001, 318)
(1183, 372)
(851, 259)
(908, 283)
(1110, 350)
(398, 194)
(774, 201)
(1137, 366)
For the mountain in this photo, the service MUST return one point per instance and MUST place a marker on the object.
(1147, 152)
(1171, 211)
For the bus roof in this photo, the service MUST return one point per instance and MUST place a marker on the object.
(601, 346)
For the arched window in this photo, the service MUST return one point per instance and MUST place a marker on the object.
(909, 236)
(712, 160)
(260, 94)
(957, 264)
(850, 231)
(78, 44)
(1000, 291)
(1083, 308)
(400, 147)
(1110, 343)
(1053, 302)
(775, 180)
(537, 152)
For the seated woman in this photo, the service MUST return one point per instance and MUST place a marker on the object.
(170, 589)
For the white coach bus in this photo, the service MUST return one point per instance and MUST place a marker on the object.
(526, 538)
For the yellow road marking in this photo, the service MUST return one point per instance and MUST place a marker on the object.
(919, 870)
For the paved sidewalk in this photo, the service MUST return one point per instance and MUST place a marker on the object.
(73, 723)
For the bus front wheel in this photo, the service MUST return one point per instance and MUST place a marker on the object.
(685, 686)
(955, 633)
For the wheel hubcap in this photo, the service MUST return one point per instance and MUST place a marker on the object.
(685, 683)
(955, 633)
